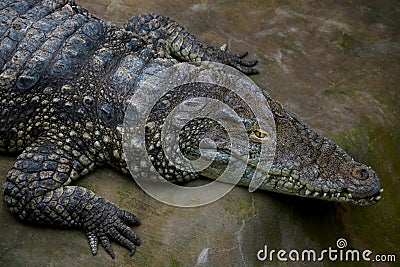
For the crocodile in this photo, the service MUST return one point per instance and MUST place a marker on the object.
(65, 78)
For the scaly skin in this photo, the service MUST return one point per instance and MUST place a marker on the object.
(65, 77)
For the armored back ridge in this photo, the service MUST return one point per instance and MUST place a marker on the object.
(65, 79)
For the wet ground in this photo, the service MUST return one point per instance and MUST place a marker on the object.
(336, 65)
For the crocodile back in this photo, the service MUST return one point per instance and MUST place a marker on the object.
(61, 64)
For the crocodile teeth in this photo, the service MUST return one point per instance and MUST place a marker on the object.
(308, 192)
(349, 196)
(316, 194)
(381, 190)
(295, 175)
(325, 194)
(378, 198)
(288, 185)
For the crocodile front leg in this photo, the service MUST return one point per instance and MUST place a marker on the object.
(164, 32)
(37, 191)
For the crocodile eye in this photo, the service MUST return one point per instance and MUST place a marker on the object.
(360, 173)
(259, 136)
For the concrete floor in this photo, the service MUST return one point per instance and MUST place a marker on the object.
(336, 65)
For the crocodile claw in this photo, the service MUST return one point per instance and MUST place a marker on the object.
(113, 224)
(237, 61)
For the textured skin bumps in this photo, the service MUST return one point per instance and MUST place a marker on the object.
(164, 32)
(64, 82)
(64, 78)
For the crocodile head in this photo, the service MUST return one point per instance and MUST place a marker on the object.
(310, 165)
(305, 163)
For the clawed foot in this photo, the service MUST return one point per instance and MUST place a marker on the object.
(236, 61)
(113, 224)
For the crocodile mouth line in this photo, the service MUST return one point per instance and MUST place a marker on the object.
(294, 185)
(289, 181)
(283, 180)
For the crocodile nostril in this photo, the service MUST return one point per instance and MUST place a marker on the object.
(88, 100)
(360, 173)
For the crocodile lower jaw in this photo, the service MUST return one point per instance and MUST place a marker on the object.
(293, 185)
